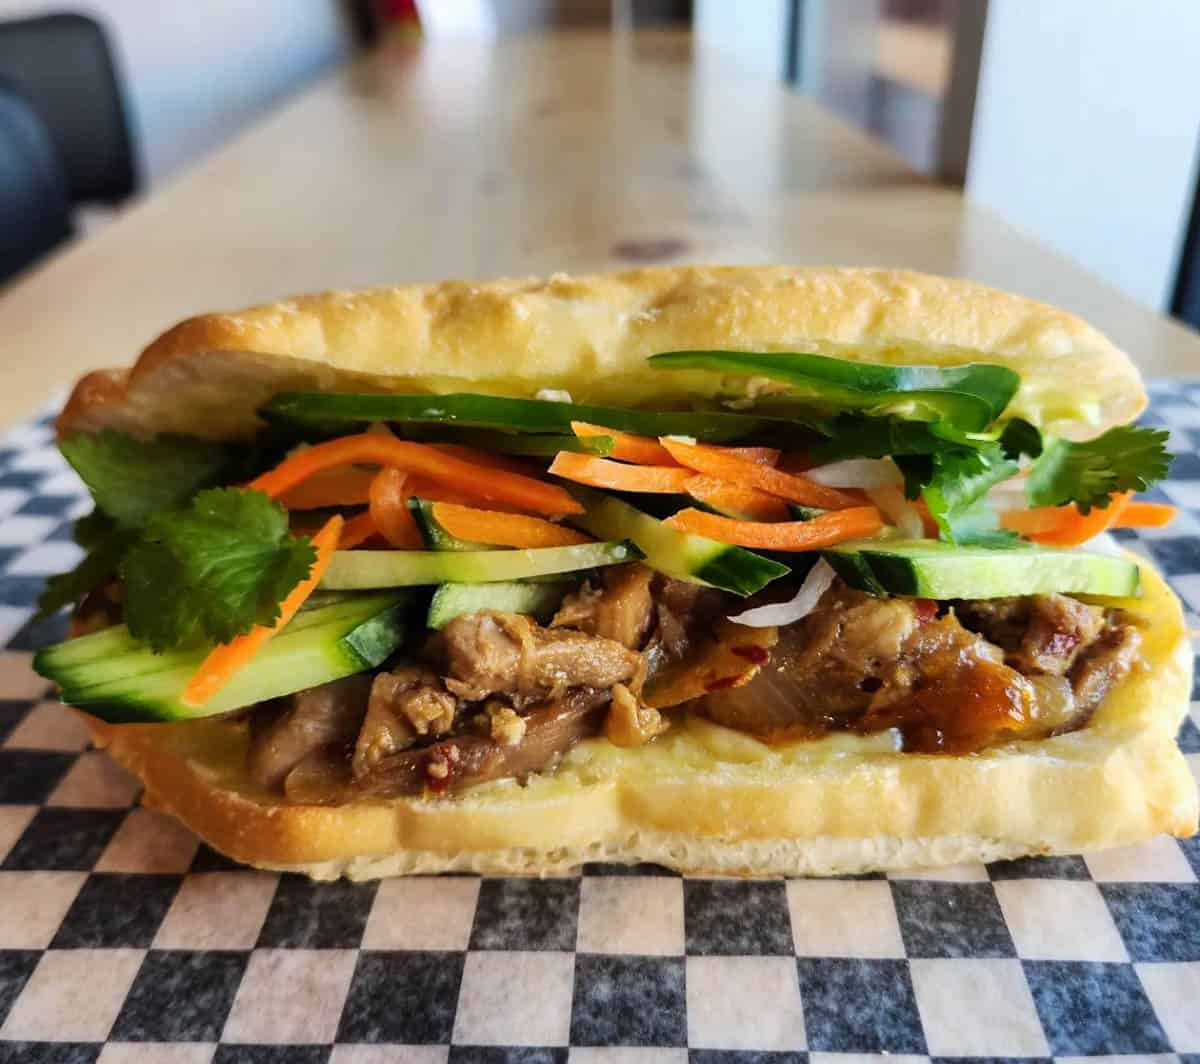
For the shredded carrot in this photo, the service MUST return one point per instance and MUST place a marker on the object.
(824, 531)
(602, 473)
(755, 505)
(424, 488)
(1033, 521)
(484, 458)
(223, 661)
(717, 462)
(503, 530)
(357, 531)
(346, 486)
(389, 510)
(1146, 515)
(642, 450)
(1065, 526)
(496, 485)
(767, 456)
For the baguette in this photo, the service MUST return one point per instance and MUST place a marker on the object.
(701, 798)
(591, 336)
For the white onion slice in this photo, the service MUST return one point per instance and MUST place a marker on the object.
(1105, 543)
(553, 395)
(1009, 494)
(820, 576)
(898, 510)
(856, 473)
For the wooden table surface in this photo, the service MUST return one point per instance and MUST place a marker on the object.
(532, 155)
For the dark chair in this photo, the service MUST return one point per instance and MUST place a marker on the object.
(35, 212)
(64, 66)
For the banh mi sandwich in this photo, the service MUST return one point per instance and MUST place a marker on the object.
(750, 570)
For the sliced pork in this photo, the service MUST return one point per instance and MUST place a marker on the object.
(490, 653)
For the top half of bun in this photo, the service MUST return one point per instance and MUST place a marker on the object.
(591, 335)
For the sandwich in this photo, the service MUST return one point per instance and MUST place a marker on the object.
(738, 570)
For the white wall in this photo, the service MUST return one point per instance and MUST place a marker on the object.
(752, 32)
(198, 72)
(1085, 131)
(836, 45)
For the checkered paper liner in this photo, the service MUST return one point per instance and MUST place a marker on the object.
(123, 939)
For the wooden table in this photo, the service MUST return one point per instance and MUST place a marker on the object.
(536, 154)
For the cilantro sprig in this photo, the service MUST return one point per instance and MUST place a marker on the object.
(953, 471)
(960, 479)
(212, 571)
(132, 480)
(1127, 458)
(199, 564)
(104, 545)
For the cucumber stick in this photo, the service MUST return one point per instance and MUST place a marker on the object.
(537, 600)
(433, 535)
(114, 677)
(677, 554)
(361, 569)
(932, 569)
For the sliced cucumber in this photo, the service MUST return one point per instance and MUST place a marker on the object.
(318, 646)
(323, 409)
(932, 569)
(852, 567)
(361, 569)
(677, 554)
(539, 600)
(433, 534)
(114, 652)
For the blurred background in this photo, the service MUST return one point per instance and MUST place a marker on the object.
(1075, 121)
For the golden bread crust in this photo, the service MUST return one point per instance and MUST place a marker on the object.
(591, 335)
(704, 799)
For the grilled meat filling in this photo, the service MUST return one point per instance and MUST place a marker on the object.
(498, 695)
(490, 653)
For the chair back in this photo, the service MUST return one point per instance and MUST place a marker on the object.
(35, 213)
(64, 66)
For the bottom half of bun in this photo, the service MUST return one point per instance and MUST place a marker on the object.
(704, 799)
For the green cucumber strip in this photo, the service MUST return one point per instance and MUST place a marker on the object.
(113, 653)
(434, 536)
(677, 554)
(932, 569)
(540, 600)
(509, 415)
(339, 643)
(361, 569)
(969, 396)
(852, 567)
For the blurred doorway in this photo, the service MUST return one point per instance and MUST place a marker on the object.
(904, 70)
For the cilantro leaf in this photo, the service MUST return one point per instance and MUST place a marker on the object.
(1020, 437)
(1127, 458)
(213, 571)
(960, 479)
(132, 480)
(105, 544)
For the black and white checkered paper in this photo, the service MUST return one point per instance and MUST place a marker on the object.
(125, 941)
